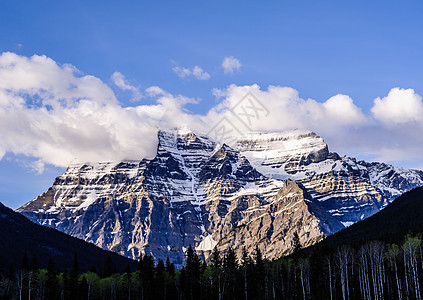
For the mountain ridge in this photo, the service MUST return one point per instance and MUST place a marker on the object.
(20, 235)
(201, 193)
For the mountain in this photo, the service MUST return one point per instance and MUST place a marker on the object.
(197, 192)
(390, 225)
(18, 234)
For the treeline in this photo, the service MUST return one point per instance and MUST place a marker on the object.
(373, 270)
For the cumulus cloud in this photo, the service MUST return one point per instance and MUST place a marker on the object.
(120, 81)
(197, 72)
(343, 125)
(231, 64)
(56, 114)
(285, 110)
(399, 107)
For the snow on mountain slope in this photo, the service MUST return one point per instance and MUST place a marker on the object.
(200, 193)
(349, 190)
(279, 155)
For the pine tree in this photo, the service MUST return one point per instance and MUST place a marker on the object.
(170, 280)
(51, 282)
(216, 260)
(160, 285)
(259, 273)
(170, 267)
(73, 278)
(146, 276)
(33, 277)
(193, 274)
(246, 270)
(23, 276)
(230, 268)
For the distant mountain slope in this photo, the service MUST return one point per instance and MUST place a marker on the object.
(390, 225)
(18, 234)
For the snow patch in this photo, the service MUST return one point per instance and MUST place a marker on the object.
(207, 244)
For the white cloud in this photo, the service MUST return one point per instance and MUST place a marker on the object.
(200, 74)
(231, 64)
(287, 110)
(120, 81)
(399, 107)
(38, 166)
(342, 124)
(197, 72)
(56, 114)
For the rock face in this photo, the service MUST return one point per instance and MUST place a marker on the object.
(197, 192)
(347, 189)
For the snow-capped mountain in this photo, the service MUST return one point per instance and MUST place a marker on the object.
(197, 192)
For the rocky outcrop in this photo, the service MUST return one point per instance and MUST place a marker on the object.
(271, 225)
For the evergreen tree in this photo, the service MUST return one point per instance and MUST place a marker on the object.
(160, 286)
(258, 274)
(51, 281)
(33, 278)
(146, 276)
(193, 274)
(246, 271)
(170, 267)
(230, 268)
(216, 260)
(73, 278)
(171, 287)
(23, 276)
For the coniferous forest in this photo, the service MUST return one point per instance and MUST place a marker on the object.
(378, 258)
(373, 270)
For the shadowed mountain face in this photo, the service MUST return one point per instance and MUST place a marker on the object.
(18, 234)
(403, 215)
(197, 192)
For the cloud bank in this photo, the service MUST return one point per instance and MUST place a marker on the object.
(57, 115)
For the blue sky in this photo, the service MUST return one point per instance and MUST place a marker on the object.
(361, 49)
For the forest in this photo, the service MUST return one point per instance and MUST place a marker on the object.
(372, 270)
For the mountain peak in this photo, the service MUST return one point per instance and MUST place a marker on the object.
(271, 153)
